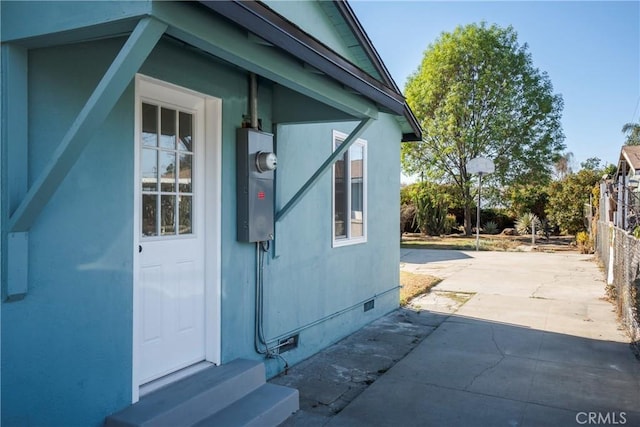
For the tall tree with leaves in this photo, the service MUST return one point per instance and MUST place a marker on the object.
(632, 130)
(477, 93)
(592, 164)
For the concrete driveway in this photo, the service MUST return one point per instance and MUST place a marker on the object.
(533, 344)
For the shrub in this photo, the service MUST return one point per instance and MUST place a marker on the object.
(406, 194)
(431, 208)
(499, 216)
(567, 198)
(407, 217)
(450, 223)
(491, 228)
(545, 229)
(583, 242)
(525, 223)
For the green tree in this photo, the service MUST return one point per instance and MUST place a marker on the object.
(610, 170)
(477, 93)
(567, 198)
(592, 163)
(632, 131)
(526, 198)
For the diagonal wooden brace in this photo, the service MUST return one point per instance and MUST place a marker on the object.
(324, 168)
(113, 84)
(26, 205)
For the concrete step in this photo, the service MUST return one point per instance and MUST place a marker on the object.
(194, 398)
(269, 405)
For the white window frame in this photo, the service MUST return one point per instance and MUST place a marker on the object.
(339, 137)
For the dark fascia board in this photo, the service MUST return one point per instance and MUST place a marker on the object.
(265, 23)
(259, 19)
(363, 38)
(416, 135)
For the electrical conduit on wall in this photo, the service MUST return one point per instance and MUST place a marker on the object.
(260, 250)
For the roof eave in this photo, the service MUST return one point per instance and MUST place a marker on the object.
(625, 157)
(416, 135)
(265, 23)
(362, 37)
(277, 30)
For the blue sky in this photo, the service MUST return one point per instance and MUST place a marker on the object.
(591, 51)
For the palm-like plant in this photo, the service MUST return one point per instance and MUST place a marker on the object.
(632, 130)
(526, 223)
(490, 227)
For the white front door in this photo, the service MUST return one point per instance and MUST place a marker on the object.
(170, 303)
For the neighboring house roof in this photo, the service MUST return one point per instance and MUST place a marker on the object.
(629, 155)
(272, 27)
(356, 168)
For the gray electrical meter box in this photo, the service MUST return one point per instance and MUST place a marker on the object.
(256, 163)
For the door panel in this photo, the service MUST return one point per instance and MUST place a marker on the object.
(170, 195)
(151, 324)
(172, 284)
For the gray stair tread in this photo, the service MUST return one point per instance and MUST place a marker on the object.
(166, 399)
(269, 405)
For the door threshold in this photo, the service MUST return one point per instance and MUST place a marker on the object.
(173, 377)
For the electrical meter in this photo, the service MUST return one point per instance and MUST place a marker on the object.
(266, 162)
(256, 163)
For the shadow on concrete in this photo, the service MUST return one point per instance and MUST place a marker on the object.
(427, 368)
(424, 256)
(332, 378)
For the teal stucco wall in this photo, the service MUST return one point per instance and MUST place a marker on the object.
(67, 347)
(310, 16)
(308, 279)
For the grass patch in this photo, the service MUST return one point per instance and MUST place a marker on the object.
(459, 243)
(413, 285)
(456, 246)
(459, 297)
(487, 242)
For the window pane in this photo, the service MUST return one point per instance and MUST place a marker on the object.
(167, 171)
(340, 198)
(149, 125)
(149, 172)
(356, 156)
(149, 211)
(185, 173)
(186, 138)
(185, 215)
(168, 127)
(167, 209)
